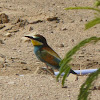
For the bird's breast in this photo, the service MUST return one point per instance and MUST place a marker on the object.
(37, 51)
(37, 48)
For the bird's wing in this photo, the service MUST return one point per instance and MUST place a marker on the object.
(49, 56)
(51, 51)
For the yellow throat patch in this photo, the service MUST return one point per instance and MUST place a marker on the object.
(36, 43)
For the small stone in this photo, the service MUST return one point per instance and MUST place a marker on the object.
(25, 39)
(72, 77)
(1, 42)
(81, 56)
(81, 20)
(61, 45)
(31, 28)
(35, 22)
(8, 35)
(26, 69)
(14, 49)
(4, 18)
(88, 59)
(72, 40)
(64, 28)
(64, 87)
(51, 31)
(2, 26)
(52, 18)
(23, 62)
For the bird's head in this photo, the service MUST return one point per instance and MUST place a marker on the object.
(37, 40)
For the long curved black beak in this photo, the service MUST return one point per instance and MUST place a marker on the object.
(29, 37)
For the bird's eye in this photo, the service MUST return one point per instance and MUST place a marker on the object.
(39, 39)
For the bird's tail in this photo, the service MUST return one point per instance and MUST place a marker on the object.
(71, 71)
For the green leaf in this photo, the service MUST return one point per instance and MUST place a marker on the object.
(97, 3)
(92, 23)
(66, 74)
(87, 8)
(64, 64)
(62, 69)
(84, 90)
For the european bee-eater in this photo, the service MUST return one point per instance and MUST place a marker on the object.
(45, 53)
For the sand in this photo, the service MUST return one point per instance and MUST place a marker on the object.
(19, 75)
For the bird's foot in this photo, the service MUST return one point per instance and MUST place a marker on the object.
(49, 70)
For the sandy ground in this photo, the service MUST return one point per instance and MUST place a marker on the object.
(19, 79)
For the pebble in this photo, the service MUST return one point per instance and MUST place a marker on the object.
(61, 45)
(72, 40)
(19, 75)
(2, 26)
(35, 22)
(3, 18)
(72, 77)
(1, 42)
(23, 62)
(25, 39)
(8, 34)
(64, 28)
(53, 18)
(31, 28)
(26, 69)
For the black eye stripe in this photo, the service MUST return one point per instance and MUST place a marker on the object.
(38, 39)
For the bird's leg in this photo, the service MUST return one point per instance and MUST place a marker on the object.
(50, 70)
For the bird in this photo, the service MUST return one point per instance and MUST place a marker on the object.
(45, 53)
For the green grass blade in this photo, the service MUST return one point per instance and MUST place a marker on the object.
(85, 88)
(87, 8)
(76, 48)
(97, 3)
(68, 57)
(62, 69)
(92, 23)
(66, 74)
